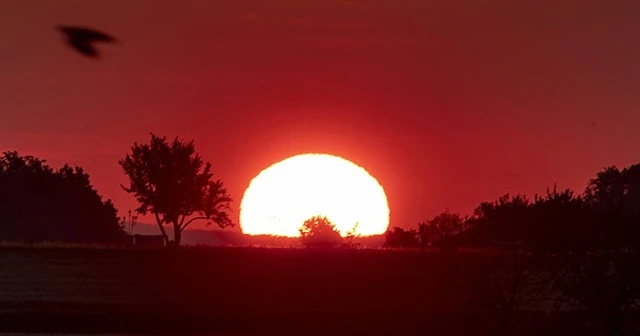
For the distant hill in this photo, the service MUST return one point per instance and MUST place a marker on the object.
(196, 236)
(234, 237)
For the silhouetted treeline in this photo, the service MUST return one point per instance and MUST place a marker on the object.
(38, 203)
(558, 252)
(168, 178)
(606, 216)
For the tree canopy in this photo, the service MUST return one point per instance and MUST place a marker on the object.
(439, 229)
(171, 181)
(399, 237)
(38, 203)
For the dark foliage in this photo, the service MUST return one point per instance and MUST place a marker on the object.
(558, 252)
(318, 231)
(499, 221)
(399, 237)
(440, 230)
(170, 180)
(614, 197)
(606, 217)
(38, 203)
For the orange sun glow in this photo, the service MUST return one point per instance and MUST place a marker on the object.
(284, 195)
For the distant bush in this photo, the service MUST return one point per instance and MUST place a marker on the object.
(401, 238)
(318, 231)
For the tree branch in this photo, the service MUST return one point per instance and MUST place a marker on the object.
(164, 233)
(182, 227)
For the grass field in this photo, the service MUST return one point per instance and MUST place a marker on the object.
(251, 291)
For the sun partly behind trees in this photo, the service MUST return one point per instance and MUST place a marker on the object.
(318, 231)
(286, 194)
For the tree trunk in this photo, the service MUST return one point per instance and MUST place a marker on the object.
(177, 235)
(162, 230)
(164, 234)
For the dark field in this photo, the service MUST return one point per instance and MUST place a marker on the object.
(250, 291)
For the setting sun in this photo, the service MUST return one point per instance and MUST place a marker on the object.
(284, 195)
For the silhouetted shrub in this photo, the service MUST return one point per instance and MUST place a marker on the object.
(440, 230)
(399, 237)
(318, 231)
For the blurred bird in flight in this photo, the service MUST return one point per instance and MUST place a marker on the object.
(82, 39)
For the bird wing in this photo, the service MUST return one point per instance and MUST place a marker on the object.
(84, 48)
(87, 34)
(94, 35)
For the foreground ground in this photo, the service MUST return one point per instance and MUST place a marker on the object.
(244, 291)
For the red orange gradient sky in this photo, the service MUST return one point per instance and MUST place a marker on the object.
(447, 103)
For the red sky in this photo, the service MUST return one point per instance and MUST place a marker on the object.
(447, 103)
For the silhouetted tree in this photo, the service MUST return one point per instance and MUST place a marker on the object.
(38, 204)
(439, 230)
(399, 238)
(554, 222)
(614, 196)
(499, 221)
(559, 221)
(170, 180)
(607, 189)
(318, 231)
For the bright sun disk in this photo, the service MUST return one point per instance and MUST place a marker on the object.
(284, 195)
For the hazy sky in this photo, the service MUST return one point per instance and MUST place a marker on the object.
(447, 103)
